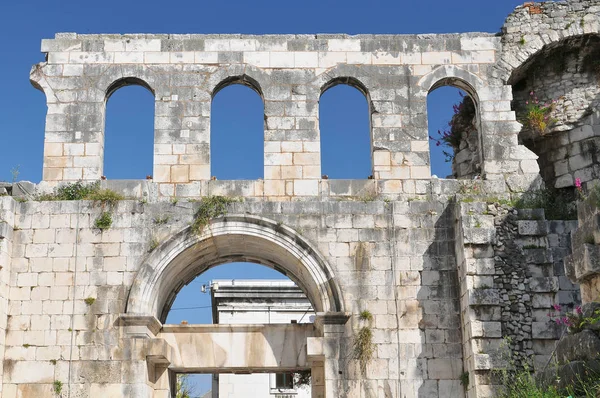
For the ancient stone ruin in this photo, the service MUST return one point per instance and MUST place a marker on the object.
(453, 272)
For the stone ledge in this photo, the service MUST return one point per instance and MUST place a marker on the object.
(581, 346)
(138, 325)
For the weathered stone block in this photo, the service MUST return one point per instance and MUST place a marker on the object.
(582, 346)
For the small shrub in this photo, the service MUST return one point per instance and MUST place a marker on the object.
(364, 348)
(521, 384)
(82, 191)
(365, 315)
(464, 380)
(71, 191)
(537, 116)
(104, 221)
(557, 205)
(89, 301)
(210, 207)
(53, 361)
(57, 387)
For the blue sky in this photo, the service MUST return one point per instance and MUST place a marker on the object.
(129, 121)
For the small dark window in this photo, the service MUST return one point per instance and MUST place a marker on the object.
(284, 381)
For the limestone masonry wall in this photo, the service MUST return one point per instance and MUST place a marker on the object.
(450, 270)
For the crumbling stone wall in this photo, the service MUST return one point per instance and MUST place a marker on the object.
(510, 263)
(551, 49)
(566, 75)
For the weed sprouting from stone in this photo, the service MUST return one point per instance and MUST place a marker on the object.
(464, 380)
(104, 221)
(89, 301)
(154, 243)
(210, 207)
(363, 342)
(57, 387)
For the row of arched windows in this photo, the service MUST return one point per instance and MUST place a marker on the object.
(237, 132)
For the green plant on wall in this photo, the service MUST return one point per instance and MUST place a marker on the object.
(57, 387)
(464, 380)
(154, 243)
(364, 348)
(210, 207)
(104, 221)
(538, 115)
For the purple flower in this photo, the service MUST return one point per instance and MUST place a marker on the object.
(578, 309)
(578, 183)
(531, 93)
(558, 321)
(556, 307)
(526, 102)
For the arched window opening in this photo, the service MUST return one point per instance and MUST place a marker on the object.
(344, 122)
(454, 139)
(129, 131)
(237, 294)
(237, 133)
(556, 97)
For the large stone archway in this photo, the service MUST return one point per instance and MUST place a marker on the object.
(216, 348)
(233, 238)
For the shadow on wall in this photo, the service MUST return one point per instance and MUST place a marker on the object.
(436, 308)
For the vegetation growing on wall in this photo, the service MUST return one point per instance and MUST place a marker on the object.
(82, 191)
(364, 348)
(57, 387)
(461, 123)
(210, 207)
(557, 204)
(103, 221)
(538, 115)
